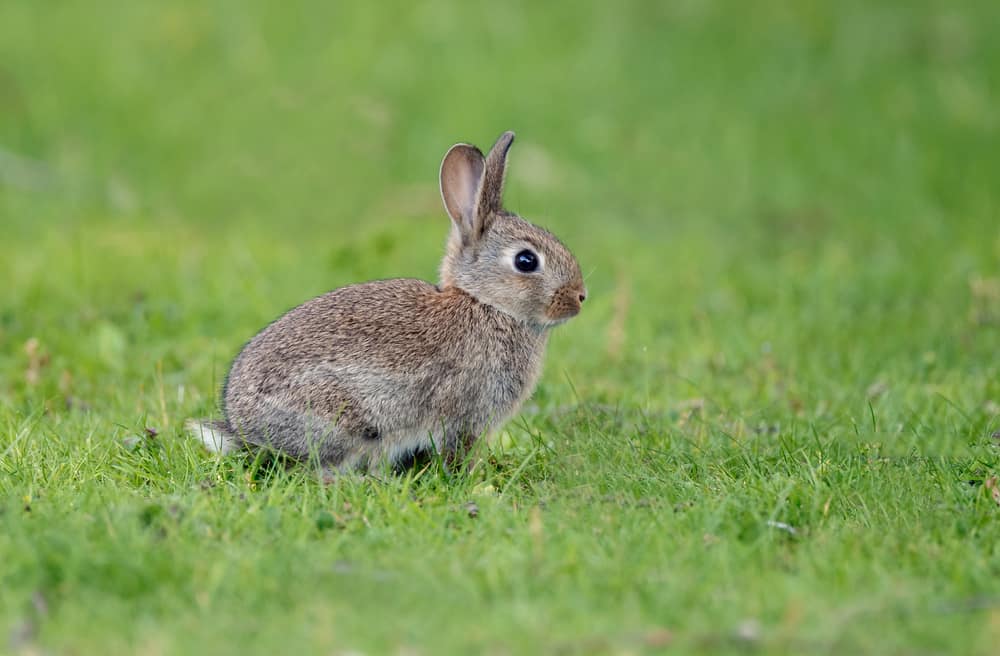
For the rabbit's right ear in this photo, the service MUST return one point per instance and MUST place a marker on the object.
(461, 184)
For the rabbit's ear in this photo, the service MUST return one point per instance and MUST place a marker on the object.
(491, 196)
(461, 181)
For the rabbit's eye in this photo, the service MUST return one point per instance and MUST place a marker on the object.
(526, 261)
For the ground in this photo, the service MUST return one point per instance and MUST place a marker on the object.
(774, 427)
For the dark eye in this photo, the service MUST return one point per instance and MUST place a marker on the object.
(526, 261)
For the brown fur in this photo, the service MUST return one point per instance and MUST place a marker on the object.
(380, 370)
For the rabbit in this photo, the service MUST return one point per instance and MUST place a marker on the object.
(385, 371)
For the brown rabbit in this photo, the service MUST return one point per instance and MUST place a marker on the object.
(384, 370)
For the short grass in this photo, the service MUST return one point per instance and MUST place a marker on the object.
(773, 428)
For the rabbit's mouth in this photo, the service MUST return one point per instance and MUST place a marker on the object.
(552, 323)
(551, 320)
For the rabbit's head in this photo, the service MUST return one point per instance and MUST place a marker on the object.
(495, 255)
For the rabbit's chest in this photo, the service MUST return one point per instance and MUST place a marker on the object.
(488, 384)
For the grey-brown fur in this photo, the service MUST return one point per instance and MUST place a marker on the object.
(377, 371)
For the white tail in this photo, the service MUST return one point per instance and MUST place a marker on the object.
(213, 437)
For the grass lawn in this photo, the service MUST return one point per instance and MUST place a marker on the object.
(774, 428)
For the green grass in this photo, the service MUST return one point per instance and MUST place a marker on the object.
(789, 220)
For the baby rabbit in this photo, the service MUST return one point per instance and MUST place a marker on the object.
(383, 371)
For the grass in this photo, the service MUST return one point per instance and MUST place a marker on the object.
(772, 429)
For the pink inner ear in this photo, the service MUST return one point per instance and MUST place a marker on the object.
(461, 176)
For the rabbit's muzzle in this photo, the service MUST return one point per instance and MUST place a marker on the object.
(566, 302)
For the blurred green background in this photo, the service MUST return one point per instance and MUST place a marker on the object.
(786, 211)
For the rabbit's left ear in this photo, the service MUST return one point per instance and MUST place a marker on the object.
(491, 195)
(461, 182)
